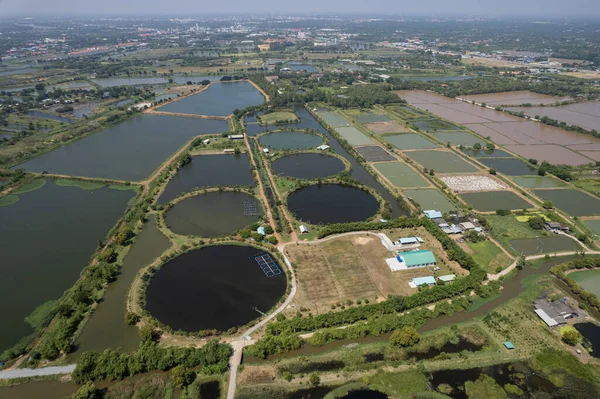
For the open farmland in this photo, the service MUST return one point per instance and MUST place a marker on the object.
(410, 141)
(585, 115)
(464, 183)
(401, 175)
(353, 135)
(386, 127)
(494, 200)
(441, 161)
(430, 199)
(514, 98)
(526, 138)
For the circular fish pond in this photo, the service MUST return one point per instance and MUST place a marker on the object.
(213, 214)
(307, 166)
(332, 203)
(215, 287)
(292, 140)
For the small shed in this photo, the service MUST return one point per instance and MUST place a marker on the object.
(261, 231)
(266, 150)
(303, 229)
(447, 278)
(235, 137)
(432, 214)
(323, 147)
(207, 141)
(419, 281)
(408, 240)
(509, 345)
(466, 226)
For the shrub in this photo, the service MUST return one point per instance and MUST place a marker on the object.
(407, 336)
(570, 335)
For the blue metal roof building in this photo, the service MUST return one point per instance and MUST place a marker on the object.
(419, 281)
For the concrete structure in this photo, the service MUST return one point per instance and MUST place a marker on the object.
(419, 281)
(303, 229)
(432, 214)
(447, 278)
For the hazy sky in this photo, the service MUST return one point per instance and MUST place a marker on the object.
(589, 8)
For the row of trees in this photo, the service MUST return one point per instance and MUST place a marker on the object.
(560, 272)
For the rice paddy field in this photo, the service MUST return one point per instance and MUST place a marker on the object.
(442, 161)
(573, 202)
(585, 115)
(493, 200)
(526, 138)
(410, 141)
(353, 135)
(458, 138)
(372, 118)
(514, 98)
(401, 175)
(430, 199)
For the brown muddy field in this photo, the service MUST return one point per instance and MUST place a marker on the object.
(514, 98)
(570, 115)
(547, 152)
(485, 113)
(486, 131)
(595, 155)
(386, 127)
(424, 97)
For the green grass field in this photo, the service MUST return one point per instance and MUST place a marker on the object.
(273, 117)
(506, 228)
(491, 258)
(401, 175)
(430, 199)
(353, 135)
(34, 185)
(8, 200)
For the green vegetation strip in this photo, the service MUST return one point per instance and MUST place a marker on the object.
(8, 200)
(34, 185)
(83, 184)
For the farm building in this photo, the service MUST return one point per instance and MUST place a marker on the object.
(235, 137)
(323, 147)
(303, 229)
(261, 230)
(466, 226)
(555, 226)
(431, 214)
(553, 313)
(447, 278)
(419, 281)
(409, 241)
(411, 259)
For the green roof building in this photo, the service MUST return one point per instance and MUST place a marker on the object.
(419, 258)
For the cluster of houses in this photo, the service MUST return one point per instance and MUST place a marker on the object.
(553, 313)
(458, 228)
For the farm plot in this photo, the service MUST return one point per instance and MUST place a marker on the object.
(492, 201)
(484, 153)
(441, 161)
(353, 135)
(386, 127)
(375, 153)
(569, 114)
(372, 118)
(574, 202)
(331, 118)
(430, 199)
(514, 98)
(538, 182)
(465, 183)
(544, 245)
(432, 125)
(593, 225)
(509, 166)
(459, 138)
(410, 141)
(555, 154)
(401, 175)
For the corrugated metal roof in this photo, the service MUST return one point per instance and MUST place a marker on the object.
(423, 280)
(547, 319)
(447, 277)
(416, 258)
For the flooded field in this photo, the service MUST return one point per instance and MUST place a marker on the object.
(106, 328)
(372, 118)
(226, 276)
(210, 171)
(514, 98)
(290, 140)
(213, 214)
(574, 202)
(589, 280)
(386, 127)
(401, 175)
(39, 390)
(430, 199)
(307, 166)
(487, 153)
(544, 245)
(410, 141)
(493, 200)
(49, 220)
(526, 136)
(441, 161)
(323, 204)
(353, 135)
(538, 182)
(44, 115)
(458, 138)
(129, 151)
(331, 118)
(113, 82)
(509, 166)
(219, 99)
(585, 115)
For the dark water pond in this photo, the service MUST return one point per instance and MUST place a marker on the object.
(517, 374)
(219, 99)
(591, 333)
(541, 245)
(215, 287)
(292, 140)
(107, 328)
(332, 203)
(39, 390)
(213, 214)
(129, 151)
(448, 347)
(22, 71)
(210, 171)
(5, 136)
(307, 166)
(48, 237)
(43, 115)
(210, 390)
(487, 153)
(112, 82)
(195, 79)
(309, 367)
(309, 393)
(509, 166)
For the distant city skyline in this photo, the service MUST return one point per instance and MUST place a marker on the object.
(542, 8)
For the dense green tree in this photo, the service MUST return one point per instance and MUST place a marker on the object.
(407, 336)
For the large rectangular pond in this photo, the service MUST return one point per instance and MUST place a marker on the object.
(129, 151)
(210, 171)
(47, 238)
(493, 200)
(544, 245)
(219, 99)
(574, 202)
